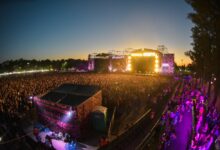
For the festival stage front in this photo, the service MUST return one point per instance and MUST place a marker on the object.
(67, 108)
(144, 61)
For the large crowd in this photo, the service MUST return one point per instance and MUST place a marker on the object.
(178, 104)
(207, 124)
(205, 132)
(126, 92)
(120, 90)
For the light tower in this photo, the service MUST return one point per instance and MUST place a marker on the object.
(162, 48)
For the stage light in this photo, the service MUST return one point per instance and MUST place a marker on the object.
(69, 113)
(156, 70)
(0, 139)
(145, 54)
(149, 54)
(129, 64)
(136, 54)
(129, 68)
(165, 65)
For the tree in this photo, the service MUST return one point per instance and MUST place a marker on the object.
(206, 36)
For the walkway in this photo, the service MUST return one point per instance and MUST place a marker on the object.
(183, 133)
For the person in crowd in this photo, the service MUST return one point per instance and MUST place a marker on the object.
(207, 120)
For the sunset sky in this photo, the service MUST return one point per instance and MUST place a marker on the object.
(52, 29)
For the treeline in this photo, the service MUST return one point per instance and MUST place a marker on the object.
(63, 64)
(206, 41)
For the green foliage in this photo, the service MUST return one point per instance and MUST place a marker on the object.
(205, 34)
(206, 40)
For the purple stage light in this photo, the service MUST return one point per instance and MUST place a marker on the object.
(69, 113)
(68, 116)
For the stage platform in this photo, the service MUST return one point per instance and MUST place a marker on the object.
(89, 143)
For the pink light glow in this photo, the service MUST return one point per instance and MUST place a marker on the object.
(58, 144)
